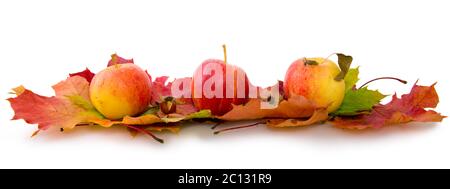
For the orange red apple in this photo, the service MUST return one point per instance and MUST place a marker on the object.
(237, 87)
(121, 90)
(217, 85)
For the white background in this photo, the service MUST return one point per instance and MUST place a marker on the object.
(42, 41)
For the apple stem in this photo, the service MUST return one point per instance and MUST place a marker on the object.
(381, 78)
(224, 53)
(145, 132)
(239, 127)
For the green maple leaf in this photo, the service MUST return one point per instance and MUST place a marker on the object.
(196, 115)
(199, 115)
(351, 78)
(357, 101)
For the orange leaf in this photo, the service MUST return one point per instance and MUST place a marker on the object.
(294, 107)
(141, 120)
(319, 115)
(18, 90)
(173, 129)
(76, 85)
(410, 107)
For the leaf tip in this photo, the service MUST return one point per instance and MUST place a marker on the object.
(35, 133)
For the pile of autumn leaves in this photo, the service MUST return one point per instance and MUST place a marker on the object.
(360, 109)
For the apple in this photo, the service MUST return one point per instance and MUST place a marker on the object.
(121, 90)
(314, 78)
(227, 78)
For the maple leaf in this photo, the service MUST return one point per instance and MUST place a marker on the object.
(172, 127)
(86, 74)
(72, 86)
(199, 115)
(142, 120)
(18, 90)
(351, 78)
(410, 107)
(160, 89)
(320, 114)
(357, 101)
(149, 119)
(294, 107)
(56, 111)
(116, 59)
(186, 107)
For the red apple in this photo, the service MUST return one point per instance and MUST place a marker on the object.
(230, 83)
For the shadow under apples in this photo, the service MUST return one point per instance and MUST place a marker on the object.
(314, 134)
(115, 134)
(326, 133)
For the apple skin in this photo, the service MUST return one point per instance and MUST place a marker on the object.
(219, 106)
(121, 90)
(315, 82)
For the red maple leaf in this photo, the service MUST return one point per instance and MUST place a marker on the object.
(87, 74)
(69, 107)
(160, 89)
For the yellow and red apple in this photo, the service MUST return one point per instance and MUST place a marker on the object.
(121, 90)
(314, 78)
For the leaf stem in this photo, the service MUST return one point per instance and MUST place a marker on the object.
(217, 124)
(239, 127)
(145, 132)
(381, 78)
(138, 129)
